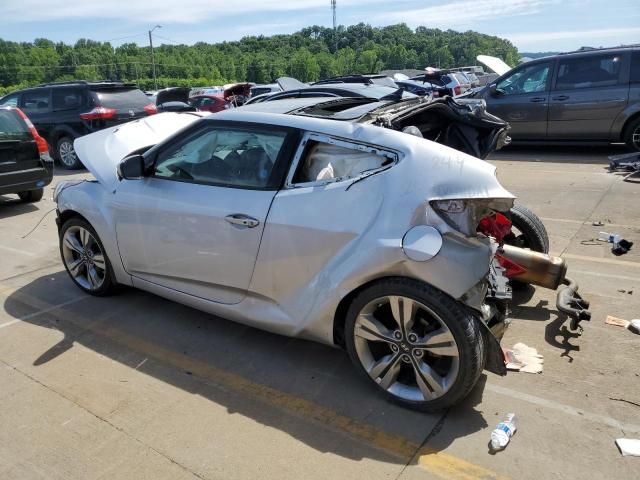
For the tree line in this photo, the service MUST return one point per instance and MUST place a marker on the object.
(311, 54)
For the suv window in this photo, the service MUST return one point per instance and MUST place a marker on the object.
(35, 101)
(635, 67)
(66, 99)
(589, 71)
(529, 79)
(12, 127)
(11, 100)
(122, 98)
(223, 156)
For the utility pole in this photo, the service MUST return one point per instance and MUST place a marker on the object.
(153, 61)
(335, 25)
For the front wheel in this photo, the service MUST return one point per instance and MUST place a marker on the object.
(421, 348)
(84, 258)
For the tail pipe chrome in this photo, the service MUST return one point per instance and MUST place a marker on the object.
(546, 271)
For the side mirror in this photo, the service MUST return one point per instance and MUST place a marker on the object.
(493, 89)
(131, 168)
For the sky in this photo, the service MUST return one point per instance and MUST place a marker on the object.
(532, 25)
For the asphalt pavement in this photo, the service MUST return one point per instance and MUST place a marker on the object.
(134, 386)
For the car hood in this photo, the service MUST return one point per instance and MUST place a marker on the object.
(494, 63)
(102, 151)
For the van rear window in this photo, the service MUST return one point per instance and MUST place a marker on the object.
(122, 98)
(12, 127)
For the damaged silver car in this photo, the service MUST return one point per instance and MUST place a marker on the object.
(340, 232)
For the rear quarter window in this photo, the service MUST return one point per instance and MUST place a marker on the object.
(120, 99)
(12, 127)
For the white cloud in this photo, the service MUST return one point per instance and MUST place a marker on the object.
(183, 11)
(466, 13)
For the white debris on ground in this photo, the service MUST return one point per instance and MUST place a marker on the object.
(522, 358)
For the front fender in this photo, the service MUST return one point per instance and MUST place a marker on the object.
(90, 200)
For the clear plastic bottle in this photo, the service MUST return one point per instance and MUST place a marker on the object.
(503, 432)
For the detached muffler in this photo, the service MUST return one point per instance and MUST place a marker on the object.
(534, 268)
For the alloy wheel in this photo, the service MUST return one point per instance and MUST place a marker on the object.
(635, 138)
(406, 348)
(67, 154)
(84, 258)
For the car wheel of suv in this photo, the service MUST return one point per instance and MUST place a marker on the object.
(632, 135)
(85, 259)
(31, 195)
(67, 154)
(421, 348)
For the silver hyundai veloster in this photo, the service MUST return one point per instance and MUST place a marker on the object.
(340, 232)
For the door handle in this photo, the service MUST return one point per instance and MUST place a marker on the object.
(560, 97)
(242, 220)
(538, 99)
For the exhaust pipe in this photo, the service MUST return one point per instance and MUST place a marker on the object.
(546, 271)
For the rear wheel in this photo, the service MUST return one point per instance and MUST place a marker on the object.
(31, 195)
(67, 154)
(527, 231)
(421, 348)
(632, 135)
(85, 259)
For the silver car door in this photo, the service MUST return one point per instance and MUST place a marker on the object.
(195, 223)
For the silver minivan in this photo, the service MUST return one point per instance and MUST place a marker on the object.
(592, 95)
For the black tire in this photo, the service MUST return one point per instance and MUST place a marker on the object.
(108, 285)
(460, 321)
(66, 154)
(31, 195)
(533, 234)
(632, 135)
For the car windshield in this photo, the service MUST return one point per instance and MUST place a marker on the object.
(121, 98)
(12, 127)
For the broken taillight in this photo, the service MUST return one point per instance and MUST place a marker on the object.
(457, 90)
(151, 109)
(41, 143)
(99, 113)
(497, 226)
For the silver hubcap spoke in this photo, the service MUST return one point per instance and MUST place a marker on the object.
(402, 309)
(83, 257)
(385, 371)
(67, 153)
(371, 329)
(440, 342)
(406, 348)
(429, 382)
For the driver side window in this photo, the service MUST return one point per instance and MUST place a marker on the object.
(529, 79)
(223, 156)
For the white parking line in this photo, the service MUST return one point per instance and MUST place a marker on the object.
(40, 312)
(15, 250)
(576, 412)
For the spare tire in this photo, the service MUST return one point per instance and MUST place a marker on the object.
(528, 231)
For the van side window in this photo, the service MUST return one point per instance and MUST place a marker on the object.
(589, 71)
(635, 67)
(328, 162)
(528, 79)
(66, 99)
(35, 101)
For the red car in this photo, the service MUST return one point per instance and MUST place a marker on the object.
(233, 95)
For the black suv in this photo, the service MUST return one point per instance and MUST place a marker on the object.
(591, 95)
(65, 111)
(25, 164)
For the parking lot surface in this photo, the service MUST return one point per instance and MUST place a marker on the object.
(134, 386)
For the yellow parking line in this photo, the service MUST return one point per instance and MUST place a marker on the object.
(438, 463)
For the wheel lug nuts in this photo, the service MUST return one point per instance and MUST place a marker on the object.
(397, 335)
(417, 353)
(413, 337)
(406, 359)
(394, 348)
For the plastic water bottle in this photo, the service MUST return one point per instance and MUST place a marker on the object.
(609, 237)
(503, 432)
